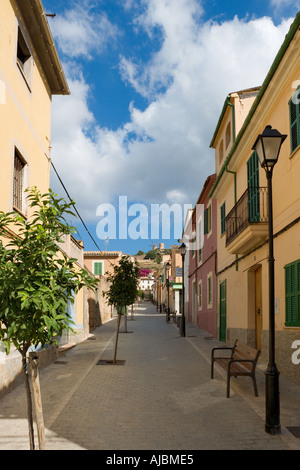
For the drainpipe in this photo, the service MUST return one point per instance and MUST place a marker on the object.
(235, 201)
(233, 172)
(233, 118)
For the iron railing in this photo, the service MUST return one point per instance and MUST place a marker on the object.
(251, 208)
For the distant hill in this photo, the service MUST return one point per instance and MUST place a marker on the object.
(152, 258)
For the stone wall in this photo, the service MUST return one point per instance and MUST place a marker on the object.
(97, 310)
(283, 343)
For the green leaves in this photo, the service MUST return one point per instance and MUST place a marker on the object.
(37, 280)
(124, 282)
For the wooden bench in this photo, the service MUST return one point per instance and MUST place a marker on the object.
(241, 362)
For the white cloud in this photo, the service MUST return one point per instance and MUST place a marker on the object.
(284, 3)
(162, 154)
(82, 31)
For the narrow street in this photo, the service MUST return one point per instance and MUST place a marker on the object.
(159, 397)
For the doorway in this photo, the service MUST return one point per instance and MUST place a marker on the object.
(258, 307)
(223, 308)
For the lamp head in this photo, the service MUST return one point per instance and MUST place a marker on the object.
(267, 146)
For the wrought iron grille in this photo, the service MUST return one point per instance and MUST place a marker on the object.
(251, 208)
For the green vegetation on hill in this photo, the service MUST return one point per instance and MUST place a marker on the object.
(155, 255)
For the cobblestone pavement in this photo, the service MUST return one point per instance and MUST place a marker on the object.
(158, 397)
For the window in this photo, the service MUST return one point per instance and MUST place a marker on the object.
(98, 268)
(18, 182)
(228, 135)
(292, 294)
(294, 106)
(24, 57)
(200, 241)
(207, 220)
(200, 295)
(223, 218)
(253, 188)
(209, 290)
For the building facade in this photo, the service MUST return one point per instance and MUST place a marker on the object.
(202, 262)
(30, 74)
(241, 189)
(101, 262)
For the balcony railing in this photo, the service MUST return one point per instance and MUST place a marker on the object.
(251, 208)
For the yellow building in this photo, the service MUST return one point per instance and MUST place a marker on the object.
(241, 192)
(30, 74)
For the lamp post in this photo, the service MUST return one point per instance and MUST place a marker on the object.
(267, 147)
(182, 323)
(168, 265)
(160, 292)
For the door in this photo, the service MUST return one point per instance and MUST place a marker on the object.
(223, 307)
(258, 307)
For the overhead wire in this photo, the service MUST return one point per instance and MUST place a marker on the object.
(75, 209)
(79, 216)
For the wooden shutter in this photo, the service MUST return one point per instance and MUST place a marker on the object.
(294, 120)
(292, 293)
(98, 269)
(253, 188)
(207, 219)
(223, 218)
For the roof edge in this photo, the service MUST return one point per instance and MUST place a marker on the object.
(288, 38)
(50, 62)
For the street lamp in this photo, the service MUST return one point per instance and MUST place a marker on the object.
(160, 291)
(182, 323)
(267, 147)
(168, 265)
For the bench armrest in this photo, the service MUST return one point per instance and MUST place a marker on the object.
(220, 349)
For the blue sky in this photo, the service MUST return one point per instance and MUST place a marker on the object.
(148, 79)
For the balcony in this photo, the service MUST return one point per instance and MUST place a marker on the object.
(247, 222)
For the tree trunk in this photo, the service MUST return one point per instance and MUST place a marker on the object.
(37, 400)
(117, 336)
(29, 400)
(125, 321)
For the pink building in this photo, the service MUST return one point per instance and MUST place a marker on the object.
(202, 262)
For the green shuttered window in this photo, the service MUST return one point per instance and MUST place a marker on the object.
(98, 269)
(294, 105)
(292, 294)
(253, 188)
(207, 220)
(223, 219)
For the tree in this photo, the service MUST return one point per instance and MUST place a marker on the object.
(122, 291)
(37, 280)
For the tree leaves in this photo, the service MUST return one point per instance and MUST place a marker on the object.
(37, 280)
(124, 282)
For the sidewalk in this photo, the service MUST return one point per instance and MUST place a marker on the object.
(160, 396)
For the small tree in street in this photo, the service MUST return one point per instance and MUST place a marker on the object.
(37, 280)
(122, 291)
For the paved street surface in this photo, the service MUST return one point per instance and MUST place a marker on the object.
(159, 397)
